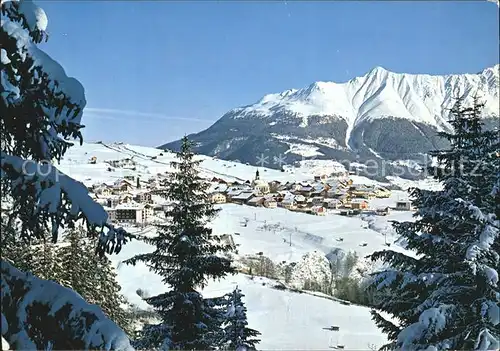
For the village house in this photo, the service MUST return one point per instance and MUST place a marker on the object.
(113, 201)
(126, 198)
(305, 190)
(242, 198)
(102, 190)
(319, 191)
(270, 203)
(288, 203)
(218, 188)
(300, 199)
(232, 192)
(256, 201)
(318, 210)
(358, 204)
(123, 186)
(403, 205)
(332, 203)
(317, 200)
(362, 191)
(218, 198)
(143, 197)
(381, 192)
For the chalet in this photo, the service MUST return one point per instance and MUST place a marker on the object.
(403, 205)
(123, 186)
(218, 188)
(319, 191)
(232, 192)
(270, 203)
(242, 198)
(275, 185)
(332, 203)
(288, 203)
(318, 210)
(358, 204)
(345, 183)
(362, 191)
(103, 190)
(113, 201)
(305, 190)
(126, 198)
(335, 193)
(300, 199)
(317, 200)
(143, 197)
(256, 201)
(218, 198)
(381, 192)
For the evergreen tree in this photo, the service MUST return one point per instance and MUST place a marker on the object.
(93, 277)
(42, 110)
(447, 297)
(237, 336)
(185, 256)
(45, 263)
(77, 265)
(41, 113)
(14, 249)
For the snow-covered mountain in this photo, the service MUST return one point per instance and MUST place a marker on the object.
(381, 115)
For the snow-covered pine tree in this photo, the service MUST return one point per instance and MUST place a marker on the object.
(91, 276)
(447, 297)
(48, 316)
(109, 297)
(78, 266)
(45, 262)
(186, 257)
(41, 111)
(14, 250)
(237, 336)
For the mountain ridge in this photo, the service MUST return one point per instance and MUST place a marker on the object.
(383, 115)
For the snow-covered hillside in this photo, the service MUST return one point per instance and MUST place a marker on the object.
(279, 234)
(149, 161)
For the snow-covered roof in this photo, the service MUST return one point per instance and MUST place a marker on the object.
(256, 199)
(358, 200)
(129, 206)
(243, 196)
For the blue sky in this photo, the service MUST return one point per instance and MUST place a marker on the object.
(156, 70)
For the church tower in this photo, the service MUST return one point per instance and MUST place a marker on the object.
(257, 177)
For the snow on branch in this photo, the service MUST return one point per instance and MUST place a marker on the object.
(58, 318)
(60, 199)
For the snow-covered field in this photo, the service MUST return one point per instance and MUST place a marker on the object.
(287, 320)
